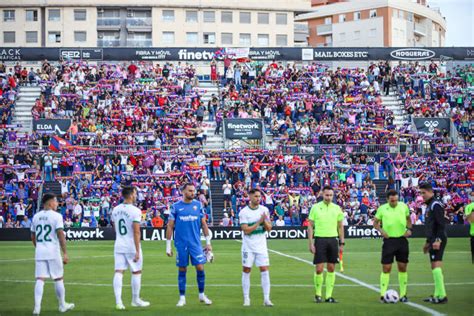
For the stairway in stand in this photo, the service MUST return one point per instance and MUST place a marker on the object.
(217, 200)
(380, 190)
(26, 99)
(214, 142)
(52, 187)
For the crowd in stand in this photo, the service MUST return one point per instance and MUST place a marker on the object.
(153, 117)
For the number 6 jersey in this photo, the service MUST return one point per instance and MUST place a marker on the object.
(123, 217)
(45, 225)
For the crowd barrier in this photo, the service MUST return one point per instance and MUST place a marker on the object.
(222, 233)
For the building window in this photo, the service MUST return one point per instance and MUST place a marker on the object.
(244, 39)
(281, 19)
(372, 32)
(328, 20)
(356, 16)
(167, 15)
(410, 16)
(9, 37)
(192, 16)
(282, 40)
(226, 17)
(209, 38)
(226, 39)
(373, 13)
(80, 36)
(54, 37)
(245, 18)
(342, 18)
(328, 40)
(8, 15)
(356, 35)
(401, 14)
(80, 15)
(54, 15)
(192, 38)
(31, 36)
(395, 13)
(342, 37)
(167, 38)
(209, 16)
(31, 15)
(263, 18)
(108, 13)
(263, 40)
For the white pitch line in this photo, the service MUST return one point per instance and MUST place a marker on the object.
(225, 285)
(361, 283)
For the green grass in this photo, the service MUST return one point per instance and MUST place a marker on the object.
(89, 274)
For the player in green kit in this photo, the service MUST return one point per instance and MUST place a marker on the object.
(325, 225)
(392, 220)
(469, 212)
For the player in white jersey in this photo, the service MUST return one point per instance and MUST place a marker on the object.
(126, 220)
(48, 238)
(255, 222)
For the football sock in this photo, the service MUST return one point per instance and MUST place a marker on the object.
(330, 280)
(39, 286)
(246, 284)
(182, 282)
(384, 281)
(440, 291)
(265, 279)
(201, 280)
(118, 278)
(60, 292)
(403, 281)
(318, 284)
(136, 285)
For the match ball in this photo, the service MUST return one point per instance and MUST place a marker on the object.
(391, 296)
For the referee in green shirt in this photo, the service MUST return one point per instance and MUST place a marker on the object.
(392, 220)
(325, 225)
(469, 213)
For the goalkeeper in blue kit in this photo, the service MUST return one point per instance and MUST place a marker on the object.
(186, 220)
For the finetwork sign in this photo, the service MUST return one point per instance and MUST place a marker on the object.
(184, 54)
(243, 128)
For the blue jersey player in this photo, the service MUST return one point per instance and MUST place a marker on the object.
(186, 220)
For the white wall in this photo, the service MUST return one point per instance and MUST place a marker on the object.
(364, 26)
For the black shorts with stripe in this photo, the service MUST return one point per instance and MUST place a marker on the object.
(327, 250)
(395, 248)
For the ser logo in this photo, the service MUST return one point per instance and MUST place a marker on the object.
(71, 54)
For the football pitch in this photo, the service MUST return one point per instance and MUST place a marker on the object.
(88, 280)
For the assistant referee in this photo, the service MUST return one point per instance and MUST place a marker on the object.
(469, 213)
(325, 225)
(392, 220)
(436, 240)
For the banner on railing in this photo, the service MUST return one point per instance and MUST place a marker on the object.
(428, 125)
(240, 128)
(221, 233)
(254, 53)
(48, 126)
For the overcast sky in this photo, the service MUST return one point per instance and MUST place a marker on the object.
(459, 17)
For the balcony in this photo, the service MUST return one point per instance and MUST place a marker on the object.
(324, 29)
(108, 42)
(301, 32)
(108, 23)
(419, 29)
(139, 43)
(139, 24)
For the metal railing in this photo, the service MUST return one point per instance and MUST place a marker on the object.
(113, 22)
(419, 28)
(139, 22)
(324, 29)
(108, 43)
(321, 149)
(139, 43)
